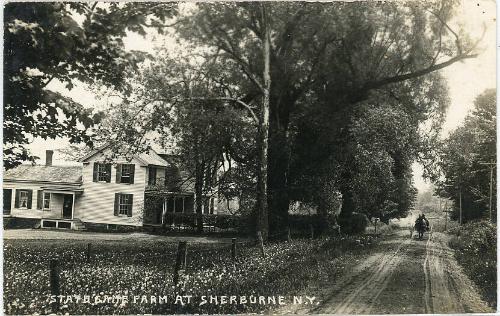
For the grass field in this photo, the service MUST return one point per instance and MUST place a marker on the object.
(145, 268)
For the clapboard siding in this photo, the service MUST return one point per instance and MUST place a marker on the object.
(56, 207)
(96, 205)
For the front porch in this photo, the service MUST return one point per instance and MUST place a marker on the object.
(58, 202)
(46, 206)
(159, 205)
(58, 207)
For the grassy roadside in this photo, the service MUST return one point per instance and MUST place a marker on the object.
(144, 268)
(475, 247)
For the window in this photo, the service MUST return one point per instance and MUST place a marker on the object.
(23, 199)
(123, 204)
(46, 201)
(125, 173)
(152, 176)
(102, 172)
(208, 205)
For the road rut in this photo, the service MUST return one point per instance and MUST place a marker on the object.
(406, 275)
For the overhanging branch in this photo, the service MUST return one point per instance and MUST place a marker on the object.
(425, 71)
(249, 108)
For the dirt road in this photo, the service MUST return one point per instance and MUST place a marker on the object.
(403, 276)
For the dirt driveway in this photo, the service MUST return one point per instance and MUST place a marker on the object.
(405, 276)
(42, 234)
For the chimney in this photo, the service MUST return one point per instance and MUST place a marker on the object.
(48, 157)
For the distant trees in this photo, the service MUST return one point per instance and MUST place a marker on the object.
(461, 157)
(65, 42)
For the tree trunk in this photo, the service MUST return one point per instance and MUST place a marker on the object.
(198, 190)
(348, 204)
(262, 223)
(278, 198)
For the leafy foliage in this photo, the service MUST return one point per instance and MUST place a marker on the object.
(325, 58)
(461, 157)
(346, 66)
(67, 42)
(476, 250)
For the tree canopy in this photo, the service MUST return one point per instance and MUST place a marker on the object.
(326, 58)
(351, 90)
(463, 154)
(67, 42)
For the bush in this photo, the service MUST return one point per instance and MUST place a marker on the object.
(353, 224)
(475, 248)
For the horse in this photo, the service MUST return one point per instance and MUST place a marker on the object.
(420, 227)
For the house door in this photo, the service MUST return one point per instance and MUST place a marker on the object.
(7, 201)
(68, 206)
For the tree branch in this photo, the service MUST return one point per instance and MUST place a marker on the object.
(427, 70)
(164, 25)
(249, 108)
(457, 38)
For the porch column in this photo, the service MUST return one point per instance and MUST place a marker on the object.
(73, 207)
(163, 210)
(173, 211)
(43, 201)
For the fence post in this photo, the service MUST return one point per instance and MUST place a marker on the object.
(289, 235)
(55, 284)
(180, 261)
(233, 249)
(312, 230)
(89, 249)
(261, 243)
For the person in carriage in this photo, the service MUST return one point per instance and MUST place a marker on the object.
(421, 225)
(427, 226)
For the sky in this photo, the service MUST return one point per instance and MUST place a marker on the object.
(466, 80)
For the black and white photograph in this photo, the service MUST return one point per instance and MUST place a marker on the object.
(249, 157)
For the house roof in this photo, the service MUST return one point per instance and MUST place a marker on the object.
(147, 158)
(152, 158)
(42, 173)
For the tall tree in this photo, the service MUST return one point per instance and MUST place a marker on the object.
(179, 105)
(462, 172)
(328, 54)
(67, 42)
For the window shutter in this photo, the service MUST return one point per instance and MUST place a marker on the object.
(132, 172)
(96, 166)
(30, 198)
(131, 201)
(117, 203)
(16, 202)
(108, 172)
(39, 199)
(119, 173)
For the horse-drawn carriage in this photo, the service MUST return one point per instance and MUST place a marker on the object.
(421, 226)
